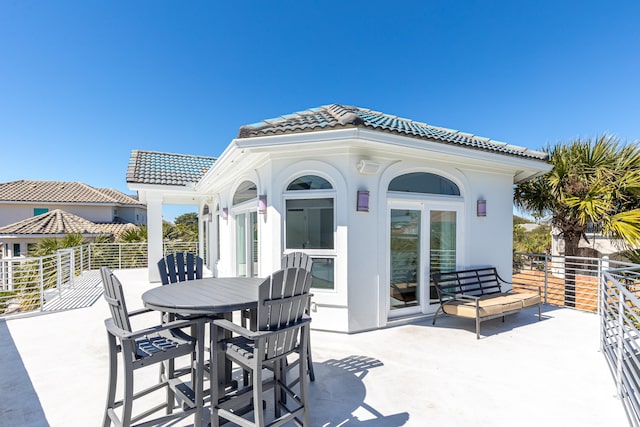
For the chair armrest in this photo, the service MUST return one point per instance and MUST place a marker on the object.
(139, 312)
(237, 329)
(122, 334)
(252, 335)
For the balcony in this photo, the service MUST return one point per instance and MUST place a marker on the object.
(522, 372)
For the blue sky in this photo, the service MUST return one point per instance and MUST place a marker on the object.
(83, 83)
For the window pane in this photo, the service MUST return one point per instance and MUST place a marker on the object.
(40, 211)
(422, 182)
(442, 242)
(322, 272)
(309, 182)
(246, 191)
(309, 224)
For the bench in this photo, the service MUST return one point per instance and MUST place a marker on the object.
(477, 294)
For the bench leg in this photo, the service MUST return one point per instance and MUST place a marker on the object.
(477, 328)
(436, 315)
(539, 312)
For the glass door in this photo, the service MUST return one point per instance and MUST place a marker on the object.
(423, 239)
(404, 254)
(247, 244)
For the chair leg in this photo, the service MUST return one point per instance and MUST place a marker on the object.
(258, 410)
(304, 395)
(312, 375)
(127, 402)
(279, 377)
(113, 377)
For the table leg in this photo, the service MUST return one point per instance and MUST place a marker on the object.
(198, 375)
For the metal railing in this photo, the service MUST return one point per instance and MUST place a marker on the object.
(26, 284)
(620, 335)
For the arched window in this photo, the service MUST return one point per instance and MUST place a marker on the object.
(424, 182)
(246, 191)
(309, 182)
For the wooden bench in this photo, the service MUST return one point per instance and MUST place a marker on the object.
(477, 294)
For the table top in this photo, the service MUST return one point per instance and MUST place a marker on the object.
(212, 295)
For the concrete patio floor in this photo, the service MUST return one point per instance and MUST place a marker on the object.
(53, 371)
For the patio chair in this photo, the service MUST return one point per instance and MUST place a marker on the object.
(174, 268)
(141, 348)
(291, 260)
(304, 261)
(282, 330)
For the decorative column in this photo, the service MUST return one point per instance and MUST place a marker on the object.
(154, 235)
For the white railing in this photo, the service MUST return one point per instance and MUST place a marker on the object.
(27, 283)
(620, 334)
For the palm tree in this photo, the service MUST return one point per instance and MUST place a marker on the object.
(592, 182)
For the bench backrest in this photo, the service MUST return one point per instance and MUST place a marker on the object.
(474, 282)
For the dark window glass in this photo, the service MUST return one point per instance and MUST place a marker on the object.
(246, 191)
(309, 224)
(309, 182)
(423, 182)
(39, 211)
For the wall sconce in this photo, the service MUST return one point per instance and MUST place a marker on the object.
(363, 201)
(225, 213)
(481, 208)
(262, 204)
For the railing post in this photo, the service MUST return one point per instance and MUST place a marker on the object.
(546, 276)
(120, 256)
(620, 340)
(40, 267)
(89, 256)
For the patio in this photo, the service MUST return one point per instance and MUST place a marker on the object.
(522, 372)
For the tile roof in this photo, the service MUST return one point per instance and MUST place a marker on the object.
(58, 222)
(61, 192)
(337, 116)
(150, 167)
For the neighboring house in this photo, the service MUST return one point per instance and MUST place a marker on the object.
(379, 203)
(33, 210)
(596, 245)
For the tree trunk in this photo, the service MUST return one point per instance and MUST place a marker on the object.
(571, 241)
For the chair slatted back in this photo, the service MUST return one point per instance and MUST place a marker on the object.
(297, 260)
(282, 301)
(174, 268)
(115, 298)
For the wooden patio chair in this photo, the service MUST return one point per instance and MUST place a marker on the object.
(282, 330)
(180, 267)
(141, 348)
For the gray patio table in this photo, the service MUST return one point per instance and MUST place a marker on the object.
(219, 296)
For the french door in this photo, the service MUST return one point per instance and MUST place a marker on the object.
(246, 244)
(424, 238)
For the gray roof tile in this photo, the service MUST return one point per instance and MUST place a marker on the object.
(150, 167)
(61, 192)
(337, 116)
(58, 222)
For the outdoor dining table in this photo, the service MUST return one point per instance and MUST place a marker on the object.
(213, 296)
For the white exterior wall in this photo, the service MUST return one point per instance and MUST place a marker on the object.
(360, 298)
(13, 212)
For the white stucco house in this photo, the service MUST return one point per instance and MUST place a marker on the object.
(378, 201)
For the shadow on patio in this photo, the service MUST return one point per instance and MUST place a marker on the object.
(19, 403)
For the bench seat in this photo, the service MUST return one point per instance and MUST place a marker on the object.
(491, 305)
(477, 294)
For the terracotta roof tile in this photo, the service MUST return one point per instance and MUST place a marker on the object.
(150, 167)
(337, 116)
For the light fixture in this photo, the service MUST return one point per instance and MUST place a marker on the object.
(262, 204)
(481, 207)
(225, 213)
(367, 167)
(363, 201)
